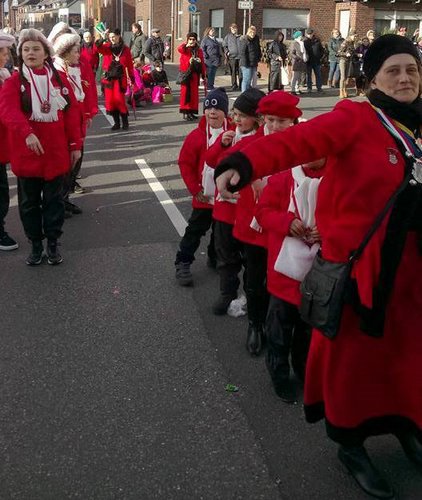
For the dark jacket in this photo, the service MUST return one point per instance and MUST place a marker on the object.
(277, 49)
(137, 44)
(231, 45)
(154, 49)
(250, 51)
(212, 51)
(314, 50)
(333, 47)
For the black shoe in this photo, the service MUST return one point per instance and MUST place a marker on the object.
(125, 121)
(7, 243)
(53, 255)
(67, 214)
(78, 189)
(116, 126)
(116, 118)
(358, 463)
(72, 208)
(212, 263)
(234, 87)
(412, 447)
(254, 339)
(221, 305)
(189, 117)
(35, 257)
(285, 390)
(183, 274)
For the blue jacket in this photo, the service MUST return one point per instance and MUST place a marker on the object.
(212, 51)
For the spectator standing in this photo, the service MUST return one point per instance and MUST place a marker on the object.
(6, 242)
(419, 47)
(315, 52)
(371, 36)
(212, 55)
(154, 47)
(250, 55)
(137, 43)
(298, 57)
(333, 47)
(89, 52)
(346, 55)
(191, 61)
(361, 50)
(232, 52)
(277, 52)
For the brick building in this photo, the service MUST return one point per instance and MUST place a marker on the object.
(174, 18)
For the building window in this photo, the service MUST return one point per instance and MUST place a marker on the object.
(388, 21)
(217, 22)
(179, 7)
(196, 23)
(286, 20)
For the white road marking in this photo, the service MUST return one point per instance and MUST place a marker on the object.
(104, 112)
(166, 202)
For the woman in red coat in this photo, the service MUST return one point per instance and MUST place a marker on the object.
(192, 59)
(118, 74)
(41, 114)
(367, 380)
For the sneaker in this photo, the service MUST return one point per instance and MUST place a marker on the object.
(53, 255)
(79, 176)
(35, 257)
(183, 274)
(78, 189)
(71, 207)
(221, 305)
(7, 243)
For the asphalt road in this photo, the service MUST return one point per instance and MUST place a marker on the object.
(113, 377)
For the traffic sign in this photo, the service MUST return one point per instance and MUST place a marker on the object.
(192, 8)
(245, 4)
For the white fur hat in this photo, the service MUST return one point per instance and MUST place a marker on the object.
(65, 42)
(6, 40)
(58, 28)
(33, 35)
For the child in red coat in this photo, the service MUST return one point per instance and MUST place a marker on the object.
(278, 213)
(191, 164)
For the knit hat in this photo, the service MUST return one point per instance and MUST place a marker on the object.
(297, 34)
(33, 35)
(217, 99)
(279, 103)
(65, 42)
(6, 40)
(248, 101)
(58, 29)
(384, 47)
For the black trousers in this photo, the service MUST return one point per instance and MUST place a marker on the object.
(199, 223)
(256, 283)
(41, 207)
(274, 79)
(235, 73)
(4, 196)
(286, 332)
(229, 252)
(69, 181)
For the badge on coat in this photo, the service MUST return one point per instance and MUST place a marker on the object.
(393, 156)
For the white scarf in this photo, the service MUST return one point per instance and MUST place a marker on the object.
(240, 135)
(208, 183)
(74, 76)
(303, 50)
(45, 88)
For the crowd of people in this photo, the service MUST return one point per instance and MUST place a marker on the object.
(291, 205)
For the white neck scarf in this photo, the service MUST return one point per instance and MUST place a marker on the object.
(74, 76)
(42, 89)
(239, 135)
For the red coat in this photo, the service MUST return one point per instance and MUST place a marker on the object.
(89, 55)
(114, 90)
(189, 94)
(191, 161)
(273, 216)
(4, 147)
(57, 138)
(90, 89)
(354, 377)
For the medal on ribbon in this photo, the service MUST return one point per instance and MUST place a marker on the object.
(417, 171)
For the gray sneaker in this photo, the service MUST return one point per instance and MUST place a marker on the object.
(183, 274)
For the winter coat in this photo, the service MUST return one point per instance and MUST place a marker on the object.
(57, 138)
(250, 51)
(137, 44)
(154, 49)
(314, 50)
(333, 48)
(277, 49)
(89, 54)
(231, 45)
(4, 147)
(189, 94)
(212, 51)
(296, 56)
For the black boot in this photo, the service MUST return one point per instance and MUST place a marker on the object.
(220, 306)
(53, 255)
(116, 118)
(254, 339)
(412, 447)
(358, 463)
(125, 121)
(35, 257)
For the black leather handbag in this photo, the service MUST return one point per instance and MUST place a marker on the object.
(183, 77)
(324, 289)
